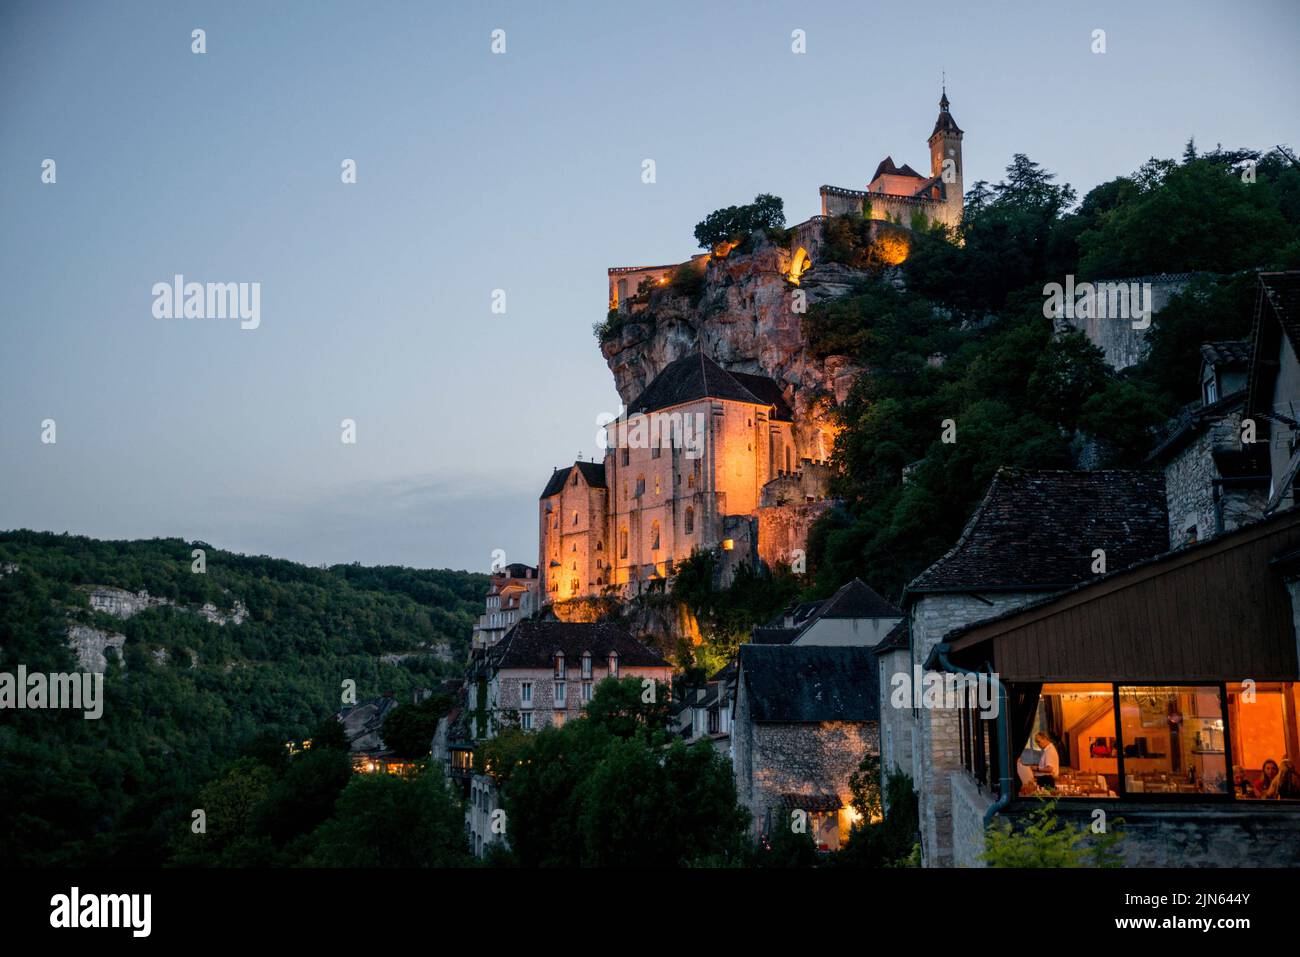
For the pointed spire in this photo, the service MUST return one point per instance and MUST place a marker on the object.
(943, 99)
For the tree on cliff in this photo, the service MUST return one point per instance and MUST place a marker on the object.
(733, 222)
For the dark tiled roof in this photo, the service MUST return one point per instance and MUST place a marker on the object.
(1277, 314)
(692, 377)
(768, 391)
(858, 600)
(895, 639)
(1191, 421)
(811, 802)
(774, 636)
(1036, 530)
(533, 644)
(796, 683)
(593, 472)
(1226, 354)
(887, 167)
(800, 613)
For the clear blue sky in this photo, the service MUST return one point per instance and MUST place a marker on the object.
(475, 172)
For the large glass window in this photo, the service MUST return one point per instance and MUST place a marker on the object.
(1173, 739)
(1262, 725)
(1099, 740)
(1071, 749)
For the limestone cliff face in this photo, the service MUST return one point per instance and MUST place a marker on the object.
(746, 322)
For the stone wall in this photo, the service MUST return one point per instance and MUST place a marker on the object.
(1121, 343)
(1245, 834)
(1189, 491)
(937, 752)
(968, 806)
(808, 759)
(783, 530)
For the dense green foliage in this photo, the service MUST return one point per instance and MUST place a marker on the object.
(609, 791)
(726, 616)
(113, 791)
(964, 352)
(733, 223)
(1044, 840)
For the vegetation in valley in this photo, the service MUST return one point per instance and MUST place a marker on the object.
(114, 791)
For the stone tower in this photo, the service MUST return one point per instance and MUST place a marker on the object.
(945, 145)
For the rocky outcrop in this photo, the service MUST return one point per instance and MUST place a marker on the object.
(746, 321)
(124, 604)
(92, 646)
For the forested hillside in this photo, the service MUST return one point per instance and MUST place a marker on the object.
(191, 694)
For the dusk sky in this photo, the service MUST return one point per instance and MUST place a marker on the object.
(475, 172)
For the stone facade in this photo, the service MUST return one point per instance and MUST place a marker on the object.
(573, 532)
(772, 760)
(536, 692)
(936, 752)
(1121, 343)
(1200, 504)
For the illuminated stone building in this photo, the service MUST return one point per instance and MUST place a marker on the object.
(512, 596)
(901, 194)
(697, 461)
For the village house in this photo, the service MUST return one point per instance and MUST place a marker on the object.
(805, 718)
(1166, 684)
(1213, 483)
(512, 596)
(854, 615)
(543, 672)
(1035, 533)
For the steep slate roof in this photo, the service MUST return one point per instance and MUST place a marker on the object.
(945, 121)
(533, 644)
(1277, 313)
(768, 391)
(797, 684)
(1191, 420)
(1226, 354)
(887, 167)
(1036, 530)
(895, 639)
(593, 472)
(774, 636)
(692, 377)
(857, 600)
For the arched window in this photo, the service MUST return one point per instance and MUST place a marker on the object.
(559, 664)
(654, 535)
(690, 519)
(622, 542)
(613, 664)
(575, 516)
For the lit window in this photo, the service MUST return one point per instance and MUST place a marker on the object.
(1257, 722)
(559, 664)
(613, 664)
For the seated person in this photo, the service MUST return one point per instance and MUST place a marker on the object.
(1242, 784)
(1268, 776)
(1286, 786)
